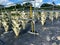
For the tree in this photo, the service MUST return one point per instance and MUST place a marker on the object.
(46, 5)
(1, 7)
(27, 4)
(18, 6)
(13, 7)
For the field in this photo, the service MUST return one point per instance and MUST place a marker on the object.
(49, 34)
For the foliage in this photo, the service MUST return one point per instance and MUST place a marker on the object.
(47, 6)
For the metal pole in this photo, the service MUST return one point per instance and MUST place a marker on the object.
(53, 9)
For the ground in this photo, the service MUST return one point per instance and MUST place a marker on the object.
(47, 35)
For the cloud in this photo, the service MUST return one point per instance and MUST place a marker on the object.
(3, 1)
(49, 2)
(10, 3)
(37, 3)
(39, 0)
(6, 2)
(58, 4)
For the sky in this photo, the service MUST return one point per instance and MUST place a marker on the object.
(38, 3)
